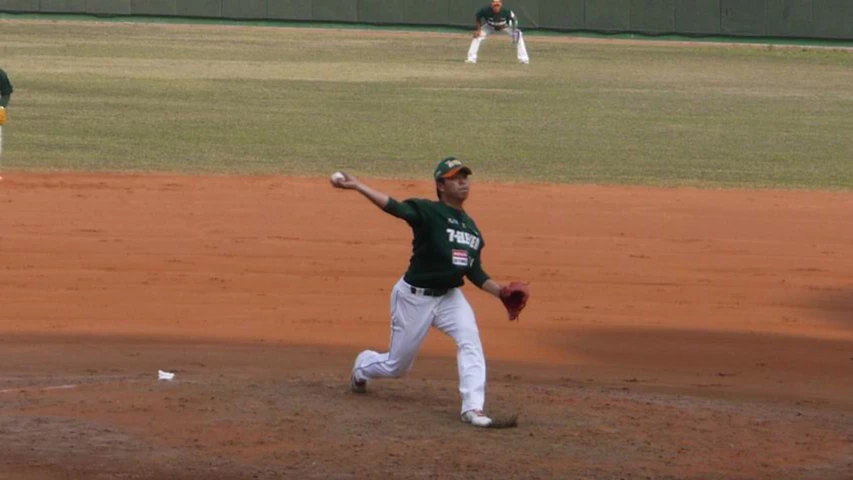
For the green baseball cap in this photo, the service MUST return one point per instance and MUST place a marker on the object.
(450, 166)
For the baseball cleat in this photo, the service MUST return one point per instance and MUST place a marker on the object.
(354, 384)
(476, 418)
(470, 61)
(524, 62)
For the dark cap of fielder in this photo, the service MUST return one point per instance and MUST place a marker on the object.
(449, 167)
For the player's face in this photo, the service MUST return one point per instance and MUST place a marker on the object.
(496, 7)
(456, 187)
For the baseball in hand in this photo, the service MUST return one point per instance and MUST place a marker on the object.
(337, 178)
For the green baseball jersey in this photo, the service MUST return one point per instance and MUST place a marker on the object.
(446, 245)
(500, 20)
(5, 89)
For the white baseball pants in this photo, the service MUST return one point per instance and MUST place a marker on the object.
(485, 31)
(412, 314)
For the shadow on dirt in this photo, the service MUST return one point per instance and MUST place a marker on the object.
(719, 352)
(833, 304)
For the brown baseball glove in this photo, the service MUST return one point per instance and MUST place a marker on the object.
(514, 297)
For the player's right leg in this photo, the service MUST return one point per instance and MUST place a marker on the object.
(411, 317)
(485, 30)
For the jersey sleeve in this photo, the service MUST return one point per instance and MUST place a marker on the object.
(5, 84)
(408, 210)
(476, 273)
(5, 89)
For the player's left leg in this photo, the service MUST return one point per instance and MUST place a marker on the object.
(454, 317)
(520, 48)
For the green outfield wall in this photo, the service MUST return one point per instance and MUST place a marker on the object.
(823, 19)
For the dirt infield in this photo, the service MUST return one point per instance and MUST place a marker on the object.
(672, 333)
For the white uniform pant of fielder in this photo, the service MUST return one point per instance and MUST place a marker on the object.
(485, 31)
(412, 315)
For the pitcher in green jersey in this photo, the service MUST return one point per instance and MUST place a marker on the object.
(445, 250)
(495, 18)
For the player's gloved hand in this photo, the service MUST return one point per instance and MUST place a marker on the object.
(514, 297)
(477, 33)
(2, 115)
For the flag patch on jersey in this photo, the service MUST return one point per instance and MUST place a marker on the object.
(460, 258)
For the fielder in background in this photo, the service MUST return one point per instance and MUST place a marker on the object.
(5, 95)
(495, 18)
(446, 248)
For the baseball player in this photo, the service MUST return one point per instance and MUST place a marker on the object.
(5, 95)
(497, 19)
(446, 248)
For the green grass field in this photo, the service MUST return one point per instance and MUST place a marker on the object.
(149, 97)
